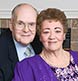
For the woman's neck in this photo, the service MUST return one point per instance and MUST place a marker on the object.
(59, 58)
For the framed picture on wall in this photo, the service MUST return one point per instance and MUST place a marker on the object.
(67, 41)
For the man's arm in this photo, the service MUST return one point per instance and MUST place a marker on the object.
(1, 75)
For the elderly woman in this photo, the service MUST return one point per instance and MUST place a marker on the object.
(53, 63)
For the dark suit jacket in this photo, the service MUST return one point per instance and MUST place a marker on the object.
(8, 54)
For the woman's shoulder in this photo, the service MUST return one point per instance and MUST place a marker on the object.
(25, 68)
(29, 61)
(74, 54)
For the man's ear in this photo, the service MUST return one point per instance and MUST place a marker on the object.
(11, 25)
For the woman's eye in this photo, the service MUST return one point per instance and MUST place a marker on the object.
(58, 31)
(46, 32)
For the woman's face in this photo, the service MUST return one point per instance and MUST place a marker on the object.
(52, 35)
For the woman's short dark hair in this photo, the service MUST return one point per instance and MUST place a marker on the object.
(51, 14)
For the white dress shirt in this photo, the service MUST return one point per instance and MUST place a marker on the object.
(21, 49)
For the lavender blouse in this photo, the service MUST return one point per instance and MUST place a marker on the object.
(36, 69)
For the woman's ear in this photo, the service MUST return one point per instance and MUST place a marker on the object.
(40, 38)
(64, 36)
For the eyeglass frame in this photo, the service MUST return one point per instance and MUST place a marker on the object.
(21, 25)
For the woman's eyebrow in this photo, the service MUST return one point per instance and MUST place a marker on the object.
(58, 28)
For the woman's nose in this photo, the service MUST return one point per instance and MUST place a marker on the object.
(52, 35)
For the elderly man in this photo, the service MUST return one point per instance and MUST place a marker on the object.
(15, 44)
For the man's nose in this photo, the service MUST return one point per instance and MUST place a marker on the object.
(26, 28)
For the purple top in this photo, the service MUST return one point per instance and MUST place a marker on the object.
(36, 69)
(69, 73)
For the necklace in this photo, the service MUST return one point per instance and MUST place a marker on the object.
(61, 61)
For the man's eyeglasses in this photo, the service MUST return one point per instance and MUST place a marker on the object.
(21, 25)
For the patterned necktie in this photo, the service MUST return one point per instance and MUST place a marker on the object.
(27, 52)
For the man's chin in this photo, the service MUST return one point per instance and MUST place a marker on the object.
(25, 43)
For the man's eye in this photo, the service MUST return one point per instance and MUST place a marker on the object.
(32, 24)
(20, 23)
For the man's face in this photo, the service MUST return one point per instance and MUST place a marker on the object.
(24, 28)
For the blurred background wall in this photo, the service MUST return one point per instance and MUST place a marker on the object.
(70, 7)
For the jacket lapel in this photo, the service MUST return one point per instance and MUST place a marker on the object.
(12, 52)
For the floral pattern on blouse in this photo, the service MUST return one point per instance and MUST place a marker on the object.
(70, 73)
